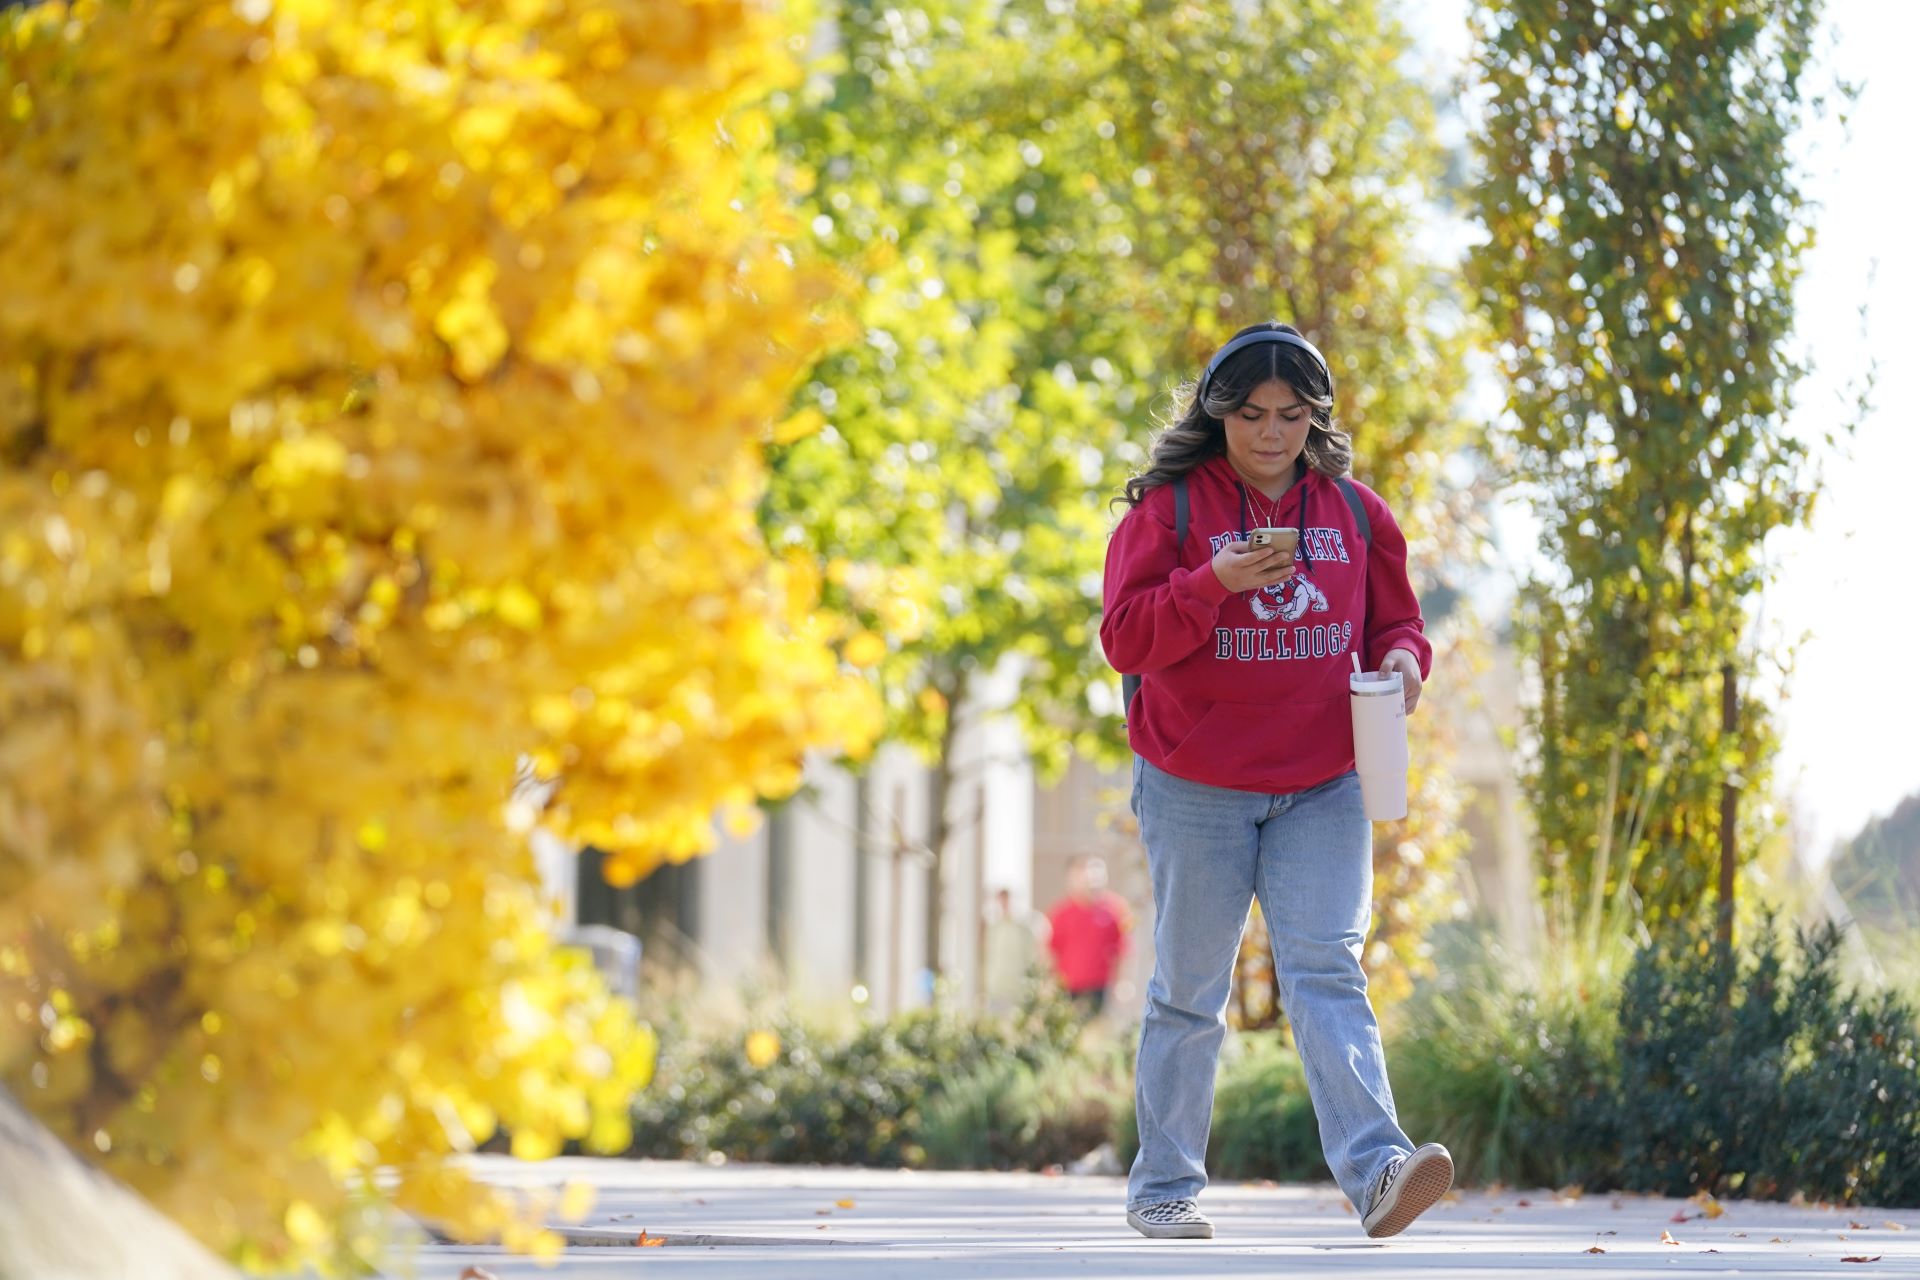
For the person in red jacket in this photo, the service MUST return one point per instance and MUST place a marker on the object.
(1244, 781)
(1088, 933)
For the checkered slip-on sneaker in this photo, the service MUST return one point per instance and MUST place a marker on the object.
(1409, 1187)
(1171, 1220)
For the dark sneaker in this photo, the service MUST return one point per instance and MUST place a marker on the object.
(1410, 1186)
(1171, 1220)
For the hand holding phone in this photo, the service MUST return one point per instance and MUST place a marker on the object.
(1265, 559)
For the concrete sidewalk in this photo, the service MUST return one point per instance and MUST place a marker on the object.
(849, 1224)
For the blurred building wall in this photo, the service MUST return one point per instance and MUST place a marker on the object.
(828, 898)
(1498, 876)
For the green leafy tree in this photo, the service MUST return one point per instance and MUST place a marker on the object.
(1279, 160)
(955, 462)
(1644, 232)
(1057, 210)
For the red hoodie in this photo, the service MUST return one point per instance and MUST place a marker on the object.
(1249, 690)
(1087, 937)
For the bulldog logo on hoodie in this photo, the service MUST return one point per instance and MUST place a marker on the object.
(1289, 601)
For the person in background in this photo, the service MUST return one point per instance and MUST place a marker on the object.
(1088, 933)
(1013, 953)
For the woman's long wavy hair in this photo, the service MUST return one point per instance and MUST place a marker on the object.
(1200, 432)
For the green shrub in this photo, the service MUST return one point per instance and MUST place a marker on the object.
(1519, 1087)
(1010, 1114)
(826, 1099)
(1755, 1075)
(1263, 1119)
(1764, 1078)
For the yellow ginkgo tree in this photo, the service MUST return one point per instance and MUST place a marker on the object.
(382, 388)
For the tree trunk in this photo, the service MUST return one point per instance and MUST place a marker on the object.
(61, 1219)
(1729, 801)
(940, 825)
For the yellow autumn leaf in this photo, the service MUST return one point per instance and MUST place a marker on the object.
(798, 426)
(471, 326)
(864, 649)
(763, 1048)
(740, 821)
(517, 607)
(304, 1224)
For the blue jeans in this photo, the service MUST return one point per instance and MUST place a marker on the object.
(1308, 857)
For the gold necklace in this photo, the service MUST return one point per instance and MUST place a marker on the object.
(1270, 517)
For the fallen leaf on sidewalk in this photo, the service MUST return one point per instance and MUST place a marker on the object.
(821, 1213)
(1875, 1258)
(645, 1241)
(1858, 1226)
(844, 1204)
(1894, 1226)
(1524, 1204)
(1709, 1207)
(1680, 1215)
(1596, 1249)
(1778, 1240)
(477, 1273)
(1666, 1237)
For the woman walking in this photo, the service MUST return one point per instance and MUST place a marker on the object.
(1243, 778)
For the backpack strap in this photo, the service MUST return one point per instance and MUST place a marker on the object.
(1352, 495)
(1130, 684)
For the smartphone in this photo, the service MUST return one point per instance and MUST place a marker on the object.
(1285, 539)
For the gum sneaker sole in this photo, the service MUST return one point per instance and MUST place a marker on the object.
(1423, 1179)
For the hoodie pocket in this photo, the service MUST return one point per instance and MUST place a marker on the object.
(1213, 736)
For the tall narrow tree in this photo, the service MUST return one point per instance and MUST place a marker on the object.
(1645, 227)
